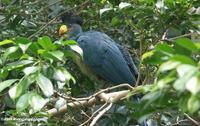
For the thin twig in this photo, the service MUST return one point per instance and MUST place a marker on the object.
(181, 36)
(87, 121)
(116, 96)
(104, 90)
(52, 20)
(101, 113)
(191, 119)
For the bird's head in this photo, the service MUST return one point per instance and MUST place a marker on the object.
(71, 25)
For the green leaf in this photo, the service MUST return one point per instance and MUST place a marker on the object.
(115, 21)
(3, 73)
(180, 83)
(30, 70)
(154, 57)
(124, 5)
(77, 49)
(187, 44)
(70, 42)
(169, 65)
(46, 43)
(193, 84)
(9, 51)
(58, 55)
(7, 83)
(21, 40)
(61, 74)
(4, 42)
(36, 102)
(45, 85)
(183, 69)
(24, 47)
(183, 59)
(18, 64)
(193, 104)
(23, 102)
(165, 49)
(21, 87)
(101, 11)
(33, 48)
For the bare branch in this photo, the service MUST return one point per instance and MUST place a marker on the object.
(191, 119)
(100, 114)
(116, 96)
(87, 121)
(44, 26)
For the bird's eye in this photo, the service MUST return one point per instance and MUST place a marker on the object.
(70, 25)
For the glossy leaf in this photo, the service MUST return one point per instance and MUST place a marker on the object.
(124, 5)
(18, 64)
(9, 51)
(36, 102)
(22, 40)
(46, 43)
(45, 85)
(6, 83)
(20, 88)
(187, 44)
(59, 55)
(23, 102)
(30, 70)
(193, 104)
(193, 85)
(77, 49)
(4, 42)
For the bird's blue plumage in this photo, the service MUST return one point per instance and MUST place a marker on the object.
(106, 58)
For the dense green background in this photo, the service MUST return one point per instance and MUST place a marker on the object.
(163, 35)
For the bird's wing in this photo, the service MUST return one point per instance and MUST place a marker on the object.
(104, 57)
(129, 60)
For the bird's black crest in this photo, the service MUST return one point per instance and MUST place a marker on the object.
(69, 18)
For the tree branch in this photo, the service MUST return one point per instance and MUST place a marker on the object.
(116, 96)
(100, 114)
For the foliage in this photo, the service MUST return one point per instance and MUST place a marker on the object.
(30, 67)
(33, 67)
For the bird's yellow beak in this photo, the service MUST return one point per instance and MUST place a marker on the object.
(63, 29)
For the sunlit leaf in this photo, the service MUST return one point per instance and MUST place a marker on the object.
(77, 49)
(124, 5)
(59, 55)
(30, 70)
(180, 83)
(169, 65)
(18, 64)
(8, 52)
(45, 85)
(187, 44)
(20, 88)
(70, 42)
(101, 11)
(193, 85)
(193, 104)
(183, 69)
(63, 75)
(36, 102)
(24, 47)
(4, 42)
(46, 43)
(23, 102)
(6, 83)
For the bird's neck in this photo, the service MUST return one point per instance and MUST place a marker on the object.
(77, 30)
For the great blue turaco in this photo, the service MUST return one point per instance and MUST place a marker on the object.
(103, 58)
(101, 55)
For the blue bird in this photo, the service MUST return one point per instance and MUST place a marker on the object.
(103, 58)
(101, 55)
